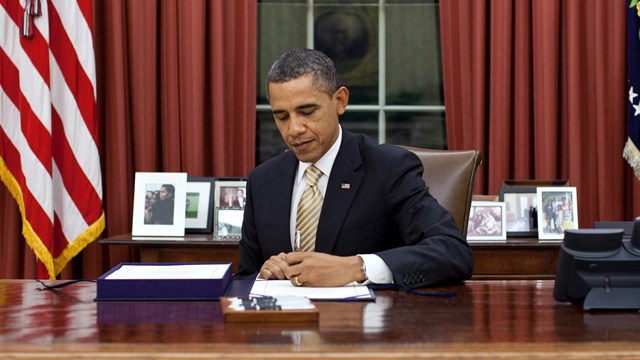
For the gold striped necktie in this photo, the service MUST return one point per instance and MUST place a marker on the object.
(309, 209)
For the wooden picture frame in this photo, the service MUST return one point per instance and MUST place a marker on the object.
(559, 211)
(535, 183)
(521, 211)
(478, 197)
(155, 211)
(199, 205)
(487, 221)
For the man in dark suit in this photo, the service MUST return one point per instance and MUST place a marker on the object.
(378, 222)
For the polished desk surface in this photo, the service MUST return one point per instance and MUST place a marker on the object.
(486, 319)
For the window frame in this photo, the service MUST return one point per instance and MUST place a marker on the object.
(381, 108)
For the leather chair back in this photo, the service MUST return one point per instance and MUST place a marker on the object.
(450, 176)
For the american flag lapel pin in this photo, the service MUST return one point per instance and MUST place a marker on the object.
(345, 186)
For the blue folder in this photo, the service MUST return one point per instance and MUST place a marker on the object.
(162, 289)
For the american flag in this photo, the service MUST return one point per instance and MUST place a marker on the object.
(632, 146)
(49, 156)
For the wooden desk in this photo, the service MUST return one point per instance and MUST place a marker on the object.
(193, 247)
(486, 320)
(518, 258)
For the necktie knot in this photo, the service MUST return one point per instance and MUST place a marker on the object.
(313, 174)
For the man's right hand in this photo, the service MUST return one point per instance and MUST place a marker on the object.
(274, 268)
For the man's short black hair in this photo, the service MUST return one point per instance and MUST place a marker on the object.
(297, 63)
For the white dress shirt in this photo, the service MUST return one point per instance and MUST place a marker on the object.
(377, 271)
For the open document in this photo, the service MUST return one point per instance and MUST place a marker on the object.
(275, 288)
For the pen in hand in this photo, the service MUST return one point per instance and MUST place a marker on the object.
(296, 246)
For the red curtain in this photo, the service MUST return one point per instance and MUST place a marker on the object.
(176, 85)
(539, 88)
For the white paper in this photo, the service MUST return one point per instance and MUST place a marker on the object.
(275, 288)
(143, 272)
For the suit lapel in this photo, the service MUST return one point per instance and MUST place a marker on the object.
(281, 201)
(343, 185)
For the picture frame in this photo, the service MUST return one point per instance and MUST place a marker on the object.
(521, 211)
(478, 197)
(535, 183)
(153, 212)
(487, 221)
(229, 201)
(559, 211)
(229, 223)
(199, 205)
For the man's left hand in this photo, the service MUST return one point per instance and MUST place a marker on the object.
(320, 269)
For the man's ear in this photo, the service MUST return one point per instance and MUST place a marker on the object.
(341, 96)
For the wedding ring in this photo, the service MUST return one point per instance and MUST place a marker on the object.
(298, 283)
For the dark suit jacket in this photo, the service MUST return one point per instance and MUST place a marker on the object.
(385, 210)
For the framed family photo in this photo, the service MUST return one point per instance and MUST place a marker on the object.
(229, 202)
(558, 212)
(199, 205)
(159, 201)
(521, 205)
(487, 221)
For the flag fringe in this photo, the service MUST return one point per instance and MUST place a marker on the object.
(79, 243)
(632, 155)
(32, 238)
(54, 267)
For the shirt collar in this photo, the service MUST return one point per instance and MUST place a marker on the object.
(325, 163)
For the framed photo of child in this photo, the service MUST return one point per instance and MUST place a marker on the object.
(159, 204)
